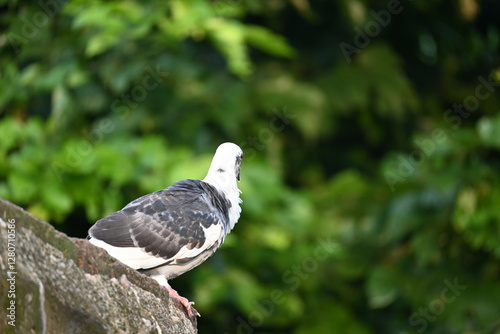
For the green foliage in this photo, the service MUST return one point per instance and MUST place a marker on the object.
(370, 184)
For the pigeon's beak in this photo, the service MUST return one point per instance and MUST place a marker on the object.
(238, 166)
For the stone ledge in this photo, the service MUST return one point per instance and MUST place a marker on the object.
(67, 285)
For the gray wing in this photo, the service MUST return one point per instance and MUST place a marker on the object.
(164, 222)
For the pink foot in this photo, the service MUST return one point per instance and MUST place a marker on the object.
(184, 301)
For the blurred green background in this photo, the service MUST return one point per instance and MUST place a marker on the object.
(371, 132)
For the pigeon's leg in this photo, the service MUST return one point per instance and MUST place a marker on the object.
(184, 301)
(174, 294)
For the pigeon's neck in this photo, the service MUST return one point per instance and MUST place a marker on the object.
(228, 186)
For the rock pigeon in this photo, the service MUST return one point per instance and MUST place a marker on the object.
(169, 232)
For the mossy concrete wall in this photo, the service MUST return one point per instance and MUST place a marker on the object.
(50, 283)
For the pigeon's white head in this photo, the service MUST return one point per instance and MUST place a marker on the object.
(223, 173)
(225, 167)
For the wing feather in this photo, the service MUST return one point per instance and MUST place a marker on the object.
(177, 223)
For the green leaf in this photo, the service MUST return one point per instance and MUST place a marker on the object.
(382, 287)
(246, 289)
(489, 130)
(267, 41)
(22, 187)
(100, 43)
(61, 102)
(229, 38)
(56, 199)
